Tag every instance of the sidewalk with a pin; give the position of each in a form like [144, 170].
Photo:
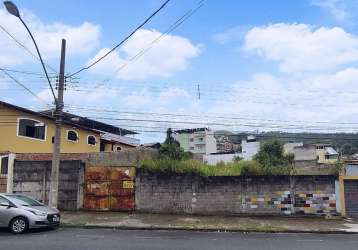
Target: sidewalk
[120, 220]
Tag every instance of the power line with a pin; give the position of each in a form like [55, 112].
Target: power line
[23, 86]
[233, 117]
[124, 40]
[171, 28]
[24, 47]
[23, 72]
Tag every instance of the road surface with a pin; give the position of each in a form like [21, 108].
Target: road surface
[103, 239]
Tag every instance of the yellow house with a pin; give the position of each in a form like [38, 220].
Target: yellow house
[112, 138]
[26, 131]
[326, 154]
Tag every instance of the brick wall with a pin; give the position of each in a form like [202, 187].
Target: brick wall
[168, 193]
[121, 158]
[3, 183]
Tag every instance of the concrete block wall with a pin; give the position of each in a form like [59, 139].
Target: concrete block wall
[266, 195]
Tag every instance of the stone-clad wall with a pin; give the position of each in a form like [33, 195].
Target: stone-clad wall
[173, 193]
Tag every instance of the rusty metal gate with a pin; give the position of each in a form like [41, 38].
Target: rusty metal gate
[109, 188]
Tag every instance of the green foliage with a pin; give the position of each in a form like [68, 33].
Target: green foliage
[272, 159]
[338, 167]
[237, 158]
[171, 149]
[166, 165]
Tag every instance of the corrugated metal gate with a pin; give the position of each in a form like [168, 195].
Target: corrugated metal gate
[351, 197]
[109, 188]
[33, 178]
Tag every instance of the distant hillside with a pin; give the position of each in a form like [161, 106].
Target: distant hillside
[346, 143]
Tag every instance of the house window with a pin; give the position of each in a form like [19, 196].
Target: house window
[4, 165]
[102, 147]
[72, 135]
[31, 128]
[91, 140]
[118, 148]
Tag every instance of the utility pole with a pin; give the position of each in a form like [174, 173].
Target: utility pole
[53, 199]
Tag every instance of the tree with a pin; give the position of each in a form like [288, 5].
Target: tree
[272, 158]
[171, 149]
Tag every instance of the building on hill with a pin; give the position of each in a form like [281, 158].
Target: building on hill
[197, 140]
[26, 131]
[321, 153]
[250, 147]
[302, 152]
[326, 153]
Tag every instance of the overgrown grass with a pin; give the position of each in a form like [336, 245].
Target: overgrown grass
[196, 167]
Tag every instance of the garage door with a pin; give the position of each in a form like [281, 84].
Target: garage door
[109, 188]
[351, 197]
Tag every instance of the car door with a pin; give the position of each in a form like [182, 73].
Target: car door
[5, 213]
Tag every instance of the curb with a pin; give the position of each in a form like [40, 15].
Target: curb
[160, 228]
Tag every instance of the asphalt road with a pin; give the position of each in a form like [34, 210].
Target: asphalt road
[103, 239]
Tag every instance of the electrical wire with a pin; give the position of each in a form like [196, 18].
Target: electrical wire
[24, 47]
[123, 41]
[232, 117]
[174, 26]
[23, 86]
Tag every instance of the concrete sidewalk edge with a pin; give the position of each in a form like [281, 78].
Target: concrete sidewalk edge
[199, 229]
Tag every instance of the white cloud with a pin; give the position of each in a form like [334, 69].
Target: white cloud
[90, 97]
[172, 93]
[303, 48]
[234, 34]
[163, 59]
[310, 98]
[145, 98]
[335, 7]
[81, 39]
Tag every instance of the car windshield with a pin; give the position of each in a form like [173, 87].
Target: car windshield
[23, 200]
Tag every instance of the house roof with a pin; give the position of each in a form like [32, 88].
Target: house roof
[152, 145]
[331, 151]
[120, 139]
[92, 124]
[42, 115]
[190, 130]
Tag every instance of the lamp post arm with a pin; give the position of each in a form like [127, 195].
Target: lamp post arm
[40, 57]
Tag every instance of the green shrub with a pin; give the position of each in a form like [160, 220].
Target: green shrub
[166, 165]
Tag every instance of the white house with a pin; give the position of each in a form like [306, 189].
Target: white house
[250, 147]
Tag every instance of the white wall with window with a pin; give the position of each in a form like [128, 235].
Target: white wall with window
[6, 171]
[31, 128]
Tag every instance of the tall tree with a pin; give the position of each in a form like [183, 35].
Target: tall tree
[171, 148]
[271, 156]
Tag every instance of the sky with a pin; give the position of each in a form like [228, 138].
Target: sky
[233, 65]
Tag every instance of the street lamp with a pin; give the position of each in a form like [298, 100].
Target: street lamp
[53, 199]
[13, 10]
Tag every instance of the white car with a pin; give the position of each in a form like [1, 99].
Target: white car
[19, 213]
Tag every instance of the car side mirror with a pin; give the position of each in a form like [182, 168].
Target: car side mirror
[6, 204]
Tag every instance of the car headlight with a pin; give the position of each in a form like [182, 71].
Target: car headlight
[39, 213]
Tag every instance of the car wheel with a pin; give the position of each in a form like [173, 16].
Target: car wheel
[19, 225]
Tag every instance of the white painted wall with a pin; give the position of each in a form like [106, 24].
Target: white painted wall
[217, 158]
[249, 149]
